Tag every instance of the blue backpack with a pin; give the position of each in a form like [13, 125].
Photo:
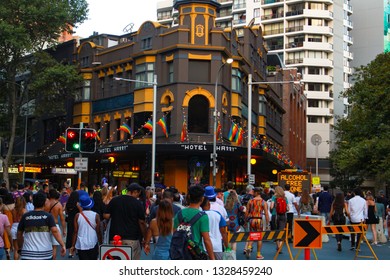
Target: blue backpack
[182, 245]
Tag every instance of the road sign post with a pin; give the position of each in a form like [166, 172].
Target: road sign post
[251, 179]
[307, 234]
[81, 164]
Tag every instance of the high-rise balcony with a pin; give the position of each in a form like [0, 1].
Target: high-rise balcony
[239, 6]
[273, 32]
[319, 62]
[318, 79]
[294, 13]
[323, 95]
[312, 13]
[294, 28]
[224, 1]
[348, 7]
[268, 2]
[348, 24]
[272, 16]
[348, 55]
[274, 47]
[314, 111]
[348, 39]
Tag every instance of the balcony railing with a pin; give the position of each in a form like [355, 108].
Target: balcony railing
[273, 31]
[294, 29]
[239, 21]
[274, 47]
[239, 6]
[294, 61]
[294, 45]
[266, 2]
[271, 16]
[294, 13]
[225, 14]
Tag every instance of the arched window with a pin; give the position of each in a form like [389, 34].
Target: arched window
[198, 114]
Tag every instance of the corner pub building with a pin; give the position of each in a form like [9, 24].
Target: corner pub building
[188, 60]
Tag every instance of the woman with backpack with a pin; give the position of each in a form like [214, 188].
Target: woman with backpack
[234, 211]
[306, 203]
[255, 209]
[279, 208]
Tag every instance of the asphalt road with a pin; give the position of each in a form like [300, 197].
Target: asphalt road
[327, 252]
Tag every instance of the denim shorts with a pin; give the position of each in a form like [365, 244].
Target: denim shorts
[2, 253]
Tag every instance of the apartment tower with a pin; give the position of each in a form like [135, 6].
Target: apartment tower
[312, 36]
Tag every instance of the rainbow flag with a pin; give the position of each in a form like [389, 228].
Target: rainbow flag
[97, 134]
[218, 132]
[239, 136]
[183, 135]
[62, 139]
[148, 125]
[233, 131]
[255, 142]
[161, 122]
[126, 128]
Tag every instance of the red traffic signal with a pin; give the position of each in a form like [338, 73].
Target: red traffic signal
[88, 140]
[72, 141]
[71, 134]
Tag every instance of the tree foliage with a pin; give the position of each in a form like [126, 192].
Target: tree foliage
[26, 28]
[57, 81]
[364, 136]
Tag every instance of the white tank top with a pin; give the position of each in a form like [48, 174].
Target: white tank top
[86, 235]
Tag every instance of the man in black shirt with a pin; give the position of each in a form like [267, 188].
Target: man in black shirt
[128, 219]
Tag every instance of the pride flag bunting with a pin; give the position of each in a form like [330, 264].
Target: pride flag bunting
[62, 139]
[183, 135]
[239, 136]
[148, 125]
[233, 131]
[218, 132]
[161, 122]
[126, 128]
[255, 142]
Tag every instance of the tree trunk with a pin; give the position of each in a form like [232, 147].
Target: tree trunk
[14, 107]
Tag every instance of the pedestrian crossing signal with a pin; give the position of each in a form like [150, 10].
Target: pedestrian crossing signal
[88, 140]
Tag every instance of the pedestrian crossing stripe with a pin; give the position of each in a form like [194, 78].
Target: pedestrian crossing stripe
[344, 229]
[258, 236]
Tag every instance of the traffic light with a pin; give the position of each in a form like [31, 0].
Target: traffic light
[88, 140]
[72, 141]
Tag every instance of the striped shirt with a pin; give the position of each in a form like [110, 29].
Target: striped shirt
[37, 243]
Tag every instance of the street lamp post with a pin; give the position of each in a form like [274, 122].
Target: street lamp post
[154, 83]
[250, 83]
[25, 137]
[214, 155]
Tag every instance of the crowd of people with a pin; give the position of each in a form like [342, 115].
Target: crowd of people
[45, 221]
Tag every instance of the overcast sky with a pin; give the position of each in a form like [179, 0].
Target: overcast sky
[113, 16]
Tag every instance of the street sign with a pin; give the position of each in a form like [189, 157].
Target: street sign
[297, 179]
[307, 234]
[251, 179]
[81, 164]
[111, 252]
[316, 180]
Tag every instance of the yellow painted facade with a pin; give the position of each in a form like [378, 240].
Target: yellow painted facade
[177, 175]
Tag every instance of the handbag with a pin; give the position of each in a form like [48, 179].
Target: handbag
[229, 255]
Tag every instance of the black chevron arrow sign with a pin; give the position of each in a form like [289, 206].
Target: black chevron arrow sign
[311, 233]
